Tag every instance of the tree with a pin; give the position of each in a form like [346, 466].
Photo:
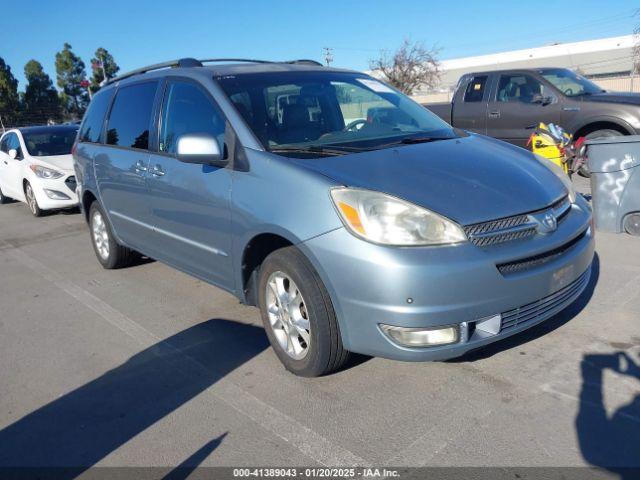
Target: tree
[40, 100]
[411, 66]
[9, 100]
[70, 74]
[102, 63]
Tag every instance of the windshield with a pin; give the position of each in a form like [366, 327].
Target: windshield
[50, 141]
[316, 113]
[570, 83]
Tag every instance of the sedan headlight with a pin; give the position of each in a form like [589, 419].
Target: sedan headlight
[564, 178]
[381, 218]
[44, 172]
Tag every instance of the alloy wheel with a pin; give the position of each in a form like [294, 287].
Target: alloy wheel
[100, 235]
[288, 315]
[31, 199]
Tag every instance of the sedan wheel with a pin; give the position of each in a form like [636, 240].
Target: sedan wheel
[32, 201]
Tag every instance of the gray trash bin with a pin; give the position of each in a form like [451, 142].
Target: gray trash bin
[615, 183]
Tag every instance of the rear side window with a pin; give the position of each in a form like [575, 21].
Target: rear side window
[94, 118]
[186, 110]
[130, 118]
[475, 89]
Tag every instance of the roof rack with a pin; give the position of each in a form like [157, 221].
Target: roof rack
[192, 62]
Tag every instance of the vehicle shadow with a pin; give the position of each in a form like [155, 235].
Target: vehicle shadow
[541, 329]
[82, 427]
[611, 442]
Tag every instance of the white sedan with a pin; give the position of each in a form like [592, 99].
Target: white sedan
[36, 167]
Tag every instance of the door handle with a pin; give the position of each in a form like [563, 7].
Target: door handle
[495, 114]
[140, 166]
[157, 171]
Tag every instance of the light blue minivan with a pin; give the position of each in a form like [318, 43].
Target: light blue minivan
[355, 219]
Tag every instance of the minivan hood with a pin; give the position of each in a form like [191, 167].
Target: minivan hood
[469, 179]
[614, 97]
[59, 162]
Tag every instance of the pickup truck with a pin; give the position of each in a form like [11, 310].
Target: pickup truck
[509, 104]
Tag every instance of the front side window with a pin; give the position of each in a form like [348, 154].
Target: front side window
[292, 111]
[4, 144]
[13, 143]
[570, 83]
[91, 129]
[518, 88]
[52, 141]
[188, 110]
[475, 89]
[130, 118]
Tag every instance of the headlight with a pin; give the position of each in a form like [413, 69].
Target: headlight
[564, 178]
[387, 220]
[44, 172]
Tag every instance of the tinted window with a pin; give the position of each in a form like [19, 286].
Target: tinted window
[94, 118]
[518, 88]
[475, 89]
[53, 141]
[13, 143]
[130, 117]
[187, 109]
[4, 144]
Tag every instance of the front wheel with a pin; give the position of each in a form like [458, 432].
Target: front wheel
[110, 254]
[32, 201]
[298, 315]
[584, 171]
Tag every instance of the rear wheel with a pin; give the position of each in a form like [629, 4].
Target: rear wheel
[110, 254]
[583, 171]
[298, 315]
[3, 198]
[32, 201]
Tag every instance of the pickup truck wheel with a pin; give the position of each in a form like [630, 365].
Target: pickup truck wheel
[298, 315]
[110, 254]
[583, 171]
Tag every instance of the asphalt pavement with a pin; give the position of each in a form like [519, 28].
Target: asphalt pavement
[146, 366]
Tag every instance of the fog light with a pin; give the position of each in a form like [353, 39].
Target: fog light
[56, 195]
[422, 337]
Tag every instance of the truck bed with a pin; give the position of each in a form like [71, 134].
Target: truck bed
[442, 109]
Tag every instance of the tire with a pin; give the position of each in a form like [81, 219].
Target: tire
[111, 255]
[322, 352]
[3, 199]
[583, 171]
[32, 201]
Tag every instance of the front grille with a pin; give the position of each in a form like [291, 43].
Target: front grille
[70, 182]
[540, 259]
[546, 306]
[513, 228]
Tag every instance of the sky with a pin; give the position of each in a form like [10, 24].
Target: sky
[143, 32]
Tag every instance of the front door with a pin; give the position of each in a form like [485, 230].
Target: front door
[520, 103]
[190, 202]
[121, 166]
[10, 168]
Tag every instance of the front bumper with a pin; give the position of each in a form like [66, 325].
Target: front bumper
[65, 185]
[456, 285]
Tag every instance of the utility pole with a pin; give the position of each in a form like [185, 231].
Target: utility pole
[328, 55]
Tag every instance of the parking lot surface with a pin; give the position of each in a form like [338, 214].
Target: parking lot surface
[146, 366]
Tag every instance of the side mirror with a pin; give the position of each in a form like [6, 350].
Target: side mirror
[200, 148]
[13, 154]
[539, 99]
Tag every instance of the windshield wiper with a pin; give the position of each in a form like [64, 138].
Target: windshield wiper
[311, 149]
[414, 140]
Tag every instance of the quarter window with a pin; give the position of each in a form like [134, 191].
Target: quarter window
[94, 119]
[187, 109]
[130, 119]
[475, 89]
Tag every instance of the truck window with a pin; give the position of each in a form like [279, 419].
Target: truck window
[475, 89]
[518, 88]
